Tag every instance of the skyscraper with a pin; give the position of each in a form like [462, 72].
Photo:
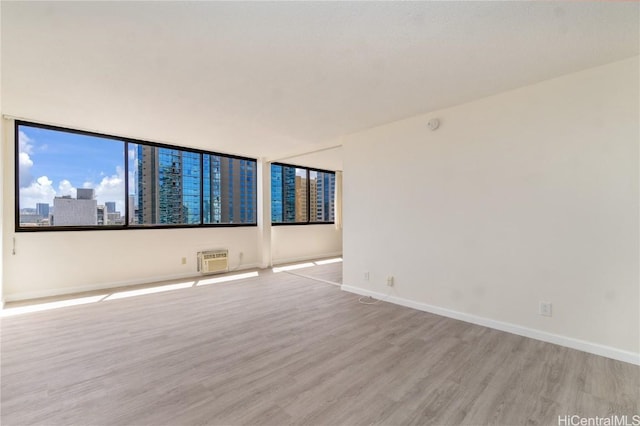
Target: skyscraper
[283, 194]
[147, 175]
[301, 199]
[238, 183]
[42, 210]
[276, 193]
[229, 189]
[325, 197]
[289, 194]
[168, 186]
[111, 206]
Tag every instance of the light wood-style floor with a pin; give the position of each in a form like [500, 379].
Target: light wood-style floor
[282, 349]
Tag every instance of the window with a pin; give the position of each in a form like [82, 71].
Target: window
[322, 194]
[67, 179]
[229, 186]
[167, 183]
[300, 195]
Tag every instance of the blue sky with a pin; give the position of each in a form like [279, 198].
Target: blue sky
[68, 161]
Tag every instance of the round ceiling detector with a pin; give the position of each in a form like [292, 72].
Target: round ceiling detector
[433, 124]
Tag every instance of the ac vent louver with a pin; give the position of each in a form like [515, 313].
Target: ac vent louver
[213, 261]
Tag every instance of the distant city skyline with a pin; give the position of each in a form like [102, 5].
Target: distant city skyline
[55, 163]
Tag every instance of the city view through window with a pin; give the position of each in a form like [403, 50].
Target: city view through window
[300, 195]
[69, 178]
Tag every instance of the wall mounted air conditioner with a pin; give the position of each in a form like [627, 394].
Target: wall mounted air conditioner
[213, 261]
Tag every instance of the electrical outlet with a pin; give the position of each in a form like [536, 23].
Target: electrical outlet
[184, 260]
[390, 281]
[545, 309]
[366, 276]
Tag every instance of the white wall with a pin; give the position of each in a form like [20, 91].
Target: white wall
[49, 263]
[291, 243]
[527, 196]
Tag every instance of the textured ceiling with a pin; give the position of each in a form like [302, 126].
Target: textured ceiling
[271, 79]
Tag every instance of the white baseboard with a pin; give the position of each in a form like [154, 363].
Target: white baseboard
[37, 294]
[581, 345]
[305, 258]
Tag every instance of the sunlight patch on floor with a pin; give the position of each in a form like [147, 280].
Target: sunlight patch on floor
[8, 312]
[227, 278]
[19, 310]
[150, 290]
[293, 267]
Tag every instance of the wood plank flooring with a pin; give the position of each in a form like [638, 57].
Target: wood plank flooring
[282, 349]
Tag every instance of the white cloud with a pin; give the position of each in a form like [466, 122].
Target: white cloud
[39, 191]
[65, 188]
[25, 143]
[25, 163]
[111, 188]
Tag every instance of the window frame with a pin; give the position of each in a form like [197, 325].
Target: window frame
[308, 177]
[127, 226]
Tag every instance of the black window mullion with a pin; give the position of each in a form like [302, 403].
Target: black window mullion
[126, 184]
[201, 188]
[309, 196]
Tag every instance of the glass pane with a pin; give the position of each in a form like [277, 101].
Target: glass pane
[69, 179]
[167, 183]
[276, 194]
[322, 201]
[288, 194]
[230, 186]
[302, 211]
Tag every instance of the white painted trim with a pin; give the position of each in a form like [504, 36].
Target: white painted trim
[304, 258]
[28, 295]
[581, 345]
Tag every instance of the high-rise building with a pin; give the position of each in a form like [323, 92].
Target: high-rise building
[229, 190]
[147, 175]
[132, 208]
[42, 210]
[85, 194]
[283, 193]
[169, 185]
[75, 212]
[313, 197]
[289, 194]
[325, 197]
[102, 218]
[276, 193]
[111, 206]
[237, 190]
[301, 199]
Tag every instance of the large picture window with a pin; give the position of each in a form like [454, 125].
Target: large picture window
[68, 179]
[300, 195]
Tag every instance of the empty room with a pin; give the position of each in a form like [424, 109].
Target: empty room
[320, 213]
